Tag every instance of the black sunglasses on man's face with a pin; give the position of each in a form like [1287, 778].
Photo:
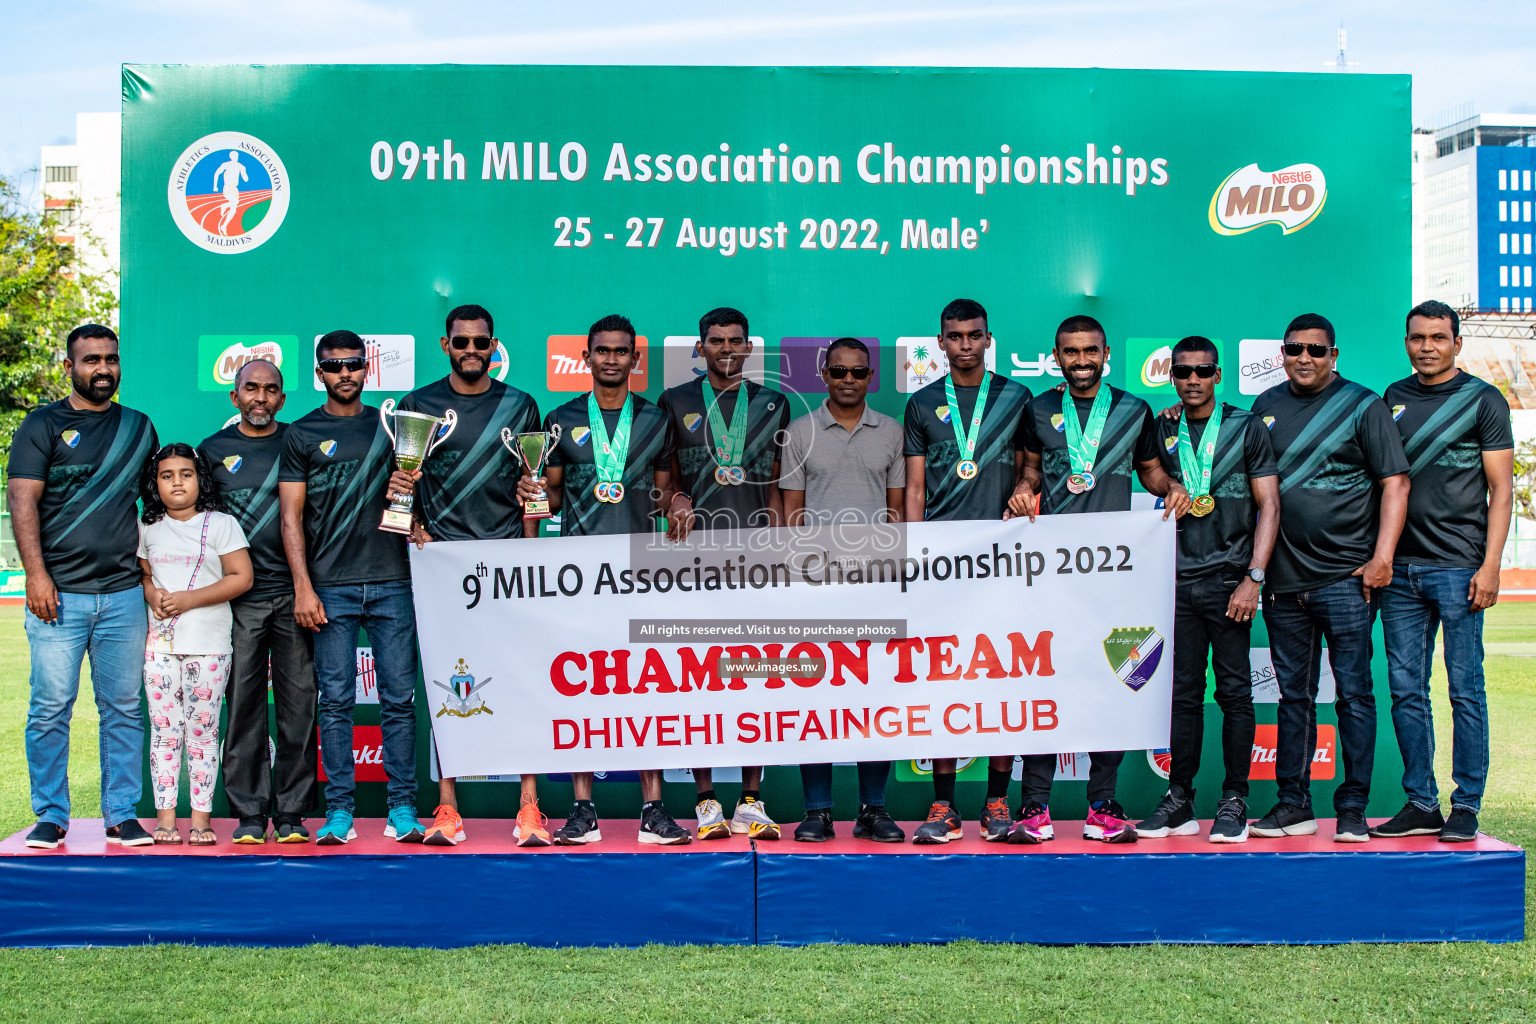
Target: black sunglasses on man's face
[353, 363]
[1294, 348]
[461, 342]
[1182, 371]
[839, 372]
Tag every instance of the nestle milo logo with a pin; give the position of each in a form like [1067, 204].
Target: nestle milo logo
[1290, 197]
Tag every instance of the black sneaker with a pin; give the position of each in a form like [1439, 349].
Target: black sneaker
[129, 833]
[816, 828]
[45, 835]
[1350, 827]
[658, 829]
[579, 828]
[996, 820]
[1231, 824]
[250, 830]
[1175, 816]
[1410, 821]
[943, 824]
[874, 823]
[1285, 820]
[1460, 827]
[290, 829]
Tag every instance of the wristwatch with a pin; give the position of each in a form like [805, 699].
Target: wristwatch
[1257, 575]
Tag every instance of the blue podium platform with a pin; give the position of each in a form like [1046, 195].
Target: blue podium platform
[619, 893]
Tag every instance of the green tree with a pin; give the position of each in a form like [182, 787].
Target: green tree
[44, 293]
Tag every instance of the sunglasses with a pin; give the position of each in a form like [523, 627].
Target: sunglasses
[460, 343]
[1183, 371]
[354, 364]
[1294, 348]
[839, 372]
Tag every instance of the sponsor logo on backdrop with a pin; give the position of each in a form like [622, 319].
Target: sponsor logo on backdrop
[367, 754]
[923, 361]
[1043, 365]
[1266, 689]
[1249, 198]
[462, 693]
[566, 370]
[801, 361]
[1260, 365]
[367, 678]
[500, 363]
[1134, 653]
[221, 356]
[391, 362]
[1148, 363]
[1264, 752]
[228, 192]
[232, 420]
[681, 362]
[1160, 761]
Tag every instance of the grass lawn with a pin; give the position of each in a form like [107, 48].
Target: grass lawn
[1164, 984]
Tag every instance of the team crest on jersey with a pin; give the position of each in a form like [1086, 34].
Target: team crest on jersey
[1170, 443]
[1058, 422]
[942, 412]
[580, 435]
[327, 448]
[1397, 412]
[691, 421]
[1269, 423]
[232, 463]
[70, 437]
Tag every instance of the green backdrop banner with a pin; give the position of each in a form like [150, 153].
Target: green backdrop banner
[264, 206]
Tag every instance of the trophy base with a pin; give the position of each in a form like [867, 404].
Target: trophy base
[537, 509]
[396, 521]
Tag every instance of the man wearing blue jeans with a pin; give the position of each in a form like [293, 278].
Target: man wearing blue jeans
[1343, 496]
[1456, 434]
[74, 480]
[333, 487]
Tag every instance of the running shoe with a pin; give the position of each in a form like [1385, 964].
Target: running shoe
[751, 820]
[816, 828]
[1175, 816]
[1231, 824]
[1410, 821]
[658, 829]
[1034, 826]
[1350, 827]
[943, 824]
[290, 829]
[580, 828]
[1109, 824]
[712, 824]
[1285, 820]
[874, 823]
[447, 828]
[251, 830]
[337, 829]
[532, 828]
[403, 827]
[996, 820]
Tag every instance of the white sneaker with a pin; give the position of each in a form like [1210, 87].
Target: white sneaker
[751, 819]
[712, 821]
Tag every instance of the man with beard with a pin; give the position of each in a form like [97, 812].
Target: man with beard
[467, 490]
[74, 487]
[1084, 439]
[349, 574]
[246, 457]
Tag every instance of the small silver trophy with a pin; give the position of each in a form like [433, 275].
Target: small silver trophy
[532, 450]
[415, 435]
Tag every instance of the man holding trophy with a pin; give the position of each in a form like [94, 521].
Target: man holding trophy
[334, 483]
[467, 490]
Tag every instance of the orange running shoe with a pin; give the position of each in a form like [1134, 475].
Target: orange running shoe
[447, 828]
[532, 827]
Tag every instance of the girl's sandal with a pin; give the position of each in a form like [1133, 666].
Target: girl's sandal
[202, 837]
[167, 836]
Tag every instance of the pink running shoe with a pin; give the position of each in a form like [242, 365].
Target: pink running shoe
[1109, 824]
[1034, 826]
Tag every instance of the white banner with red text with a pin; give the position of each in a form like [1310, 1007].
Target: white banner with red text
[786, 646]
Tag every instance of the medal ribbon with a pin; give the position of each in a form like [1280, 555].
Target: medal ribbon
[609, 453]
[730, 444]
[966, 441]
[1195, 466]
[1083, 441]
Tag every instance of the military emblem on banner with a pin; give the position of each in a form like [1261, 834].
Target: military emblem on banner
[1134, 653]
[462, 697]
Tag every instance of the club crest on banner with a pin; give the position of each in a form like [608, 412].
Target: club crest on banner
[1134, 653]
[462, 697]
[228, 192]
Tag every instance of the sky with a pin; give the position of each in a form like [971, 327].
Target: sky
[65, 56]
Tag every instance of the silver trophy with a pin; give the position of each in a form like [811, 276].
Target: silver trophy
[532, 450]
[415, 435]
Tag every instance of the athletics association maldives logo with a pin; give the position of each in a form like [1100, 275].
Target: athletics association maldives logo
[1134, 653]
[228, 192]
[1291, 197]
[462, 697]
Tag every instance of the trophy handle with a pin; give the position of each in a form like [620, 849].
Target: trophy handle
[554, 433]
[451, 418]
[507, 440]
[387, 410]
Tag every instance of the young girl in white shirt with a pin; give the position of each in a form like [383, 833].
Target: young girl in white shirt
[195, 560]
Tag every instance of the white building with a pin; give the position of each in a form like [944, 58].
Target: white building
[82, 184]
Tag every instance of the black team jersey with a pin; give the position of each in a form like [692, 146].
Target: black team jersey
[1332, 449]
[246, 469]
[1445, 430]
[89, 463]
[1129, 437]
[346, 462]
[468, 486]
[929, 433]
[650, 449]
[723, 506]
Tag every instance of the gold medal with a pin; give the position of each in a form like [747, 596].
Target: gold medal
[1202, 506]
[966, 470]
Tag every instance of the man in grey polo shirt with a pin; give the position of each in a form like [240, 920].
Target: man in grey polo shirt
[844, 460]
